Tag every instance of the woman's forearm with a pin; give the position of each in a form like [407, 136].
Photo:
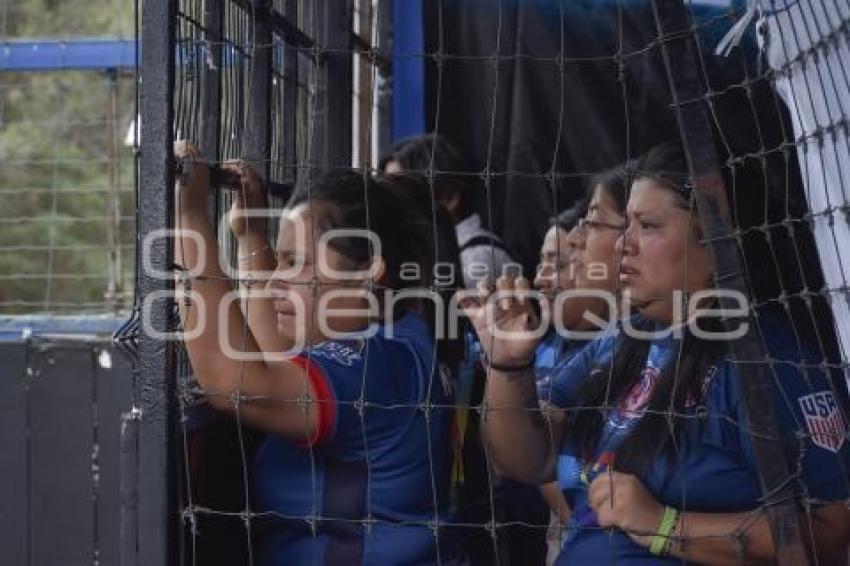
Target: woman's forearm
[216, 346]
[733, 538]
[554, 497]
[514, 427]
[196, 252]
[722, 538]
[256, 263]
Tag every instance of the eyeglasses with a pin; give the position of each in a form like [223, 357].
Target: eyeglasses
[585, 224]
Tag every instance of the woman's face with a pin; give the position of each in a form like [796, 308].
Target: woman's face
[597, 264]
[555, 273]
[303, 280]
[661, 251]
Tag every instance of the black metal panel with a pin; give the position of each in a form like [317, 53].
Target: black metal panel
[60, 408]
[258, 134]
[155, 521]
[332, 127]
[210, 130]
[61, 441]
[289, 103]
[113, 390]
[14, 428]
[281, 23]
[211, 81]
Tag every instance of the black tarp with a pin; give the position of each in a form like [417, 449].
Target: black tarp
[536, 91]
[542, 94]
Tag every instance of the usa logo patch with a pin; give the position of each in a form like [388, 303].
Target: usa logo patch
[824, 420]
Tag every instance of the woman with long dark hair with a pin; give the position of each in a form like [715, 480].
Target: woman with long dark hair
[653, 450]
[588, 233]
[578, 256]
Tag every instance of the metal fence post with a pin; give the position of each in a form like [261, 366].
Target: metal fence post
[156, 519]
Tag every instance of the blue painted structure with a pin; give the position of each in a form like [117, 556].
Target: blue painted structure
[89, 54]
[19, 328]
[408, 69]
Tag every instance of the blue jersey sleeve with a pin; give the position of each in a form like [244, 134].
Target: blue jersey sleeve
[337, 371]
[374, 387]
[561, 390]
[812, 430]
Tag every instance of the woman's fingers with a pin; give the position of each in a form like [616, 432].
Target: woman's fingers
[505, 288]
[250, 182]
[467, 301]
[513, 293]
[471, 302]
[193, 178]
[184, 148]
[508, 298]
[523, 286]
[599, 491]
[482, 287]
[250, 175]
[483, 291]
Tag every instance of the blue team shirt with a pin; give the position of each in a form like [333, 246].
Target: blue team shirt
[391, 465]
[552, 352]
[718, 473]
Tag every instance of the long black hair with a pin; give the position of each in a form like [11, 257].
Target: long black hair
[451, 350]
[390, 207]
[679, 383]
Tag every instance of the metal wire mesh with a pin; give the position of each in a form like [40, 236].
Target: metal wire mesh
[804, 78]
[67, 238]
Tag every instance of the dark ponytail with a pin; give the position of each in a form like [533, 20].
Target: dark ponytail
[658, 432]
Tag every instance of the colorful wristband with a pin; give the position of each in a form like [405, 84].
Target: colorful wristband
[665, 529]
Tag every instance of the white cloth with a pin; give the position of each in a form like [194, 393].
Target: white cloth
[479, 261]
[816, 87]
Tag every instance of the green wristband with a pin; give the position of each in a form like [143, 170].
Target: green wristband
[665, 529]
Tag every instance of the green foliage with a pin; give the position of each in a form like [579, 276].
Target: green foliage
[68, 18]
[62, 161]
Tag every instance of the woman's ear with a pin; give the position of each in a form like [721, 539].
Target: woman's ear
[378, 270]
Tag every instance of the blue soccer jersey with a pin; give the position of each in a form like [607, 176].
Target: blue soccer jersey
[718, 471]
[552, 352]
[375, 476]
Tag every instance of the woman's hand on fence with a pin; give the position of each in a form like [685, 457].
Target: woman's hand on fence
[622, 501]
[504, 320]
[249, 196]
[192, 185]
